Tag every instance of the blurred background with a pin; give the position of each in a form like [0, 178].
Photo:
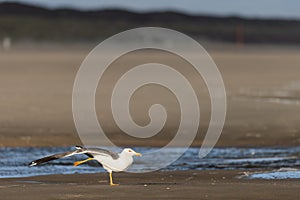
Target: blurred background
[255, 44]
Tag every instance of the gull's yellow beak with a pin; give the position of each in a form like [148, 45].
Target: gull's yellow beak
[138, 154]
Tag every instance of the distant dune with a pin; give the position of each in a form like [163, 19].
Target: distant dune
[30, 23]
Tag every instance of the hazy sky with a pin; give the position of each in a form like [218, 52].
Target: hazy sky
[248, 8]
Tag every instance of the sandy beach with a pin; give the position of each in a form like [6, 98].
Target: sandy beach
[263, 110]
[155, 185]
[262, 88]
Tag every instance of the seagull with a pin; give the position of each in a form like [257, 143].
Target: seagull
[111, 161]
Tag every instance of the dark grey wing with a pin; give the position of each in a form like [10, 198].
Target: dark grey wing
[103, 152]
[79, 150]
[90, 152]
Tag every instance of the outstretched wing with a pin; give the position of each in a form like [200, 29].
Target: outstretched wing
[79, 150]
[56, 156]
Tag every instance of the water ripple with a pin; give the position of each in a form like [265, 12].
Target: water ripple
[14, 161]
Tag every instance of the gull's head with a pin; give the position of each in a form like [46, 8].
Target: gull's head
[131, 152]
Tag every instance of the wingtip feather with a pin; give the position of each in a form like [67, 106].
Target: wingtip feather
[32, 164]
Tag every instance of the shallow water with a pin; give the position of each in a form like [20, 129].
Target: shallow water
[282, 173]
[270, 161]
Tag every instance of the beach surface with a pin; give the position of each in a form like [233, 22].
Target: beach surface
[262, 86]
[155, 185]
[263, 106]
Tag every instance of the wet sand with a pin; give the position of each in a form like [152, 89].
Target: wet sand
[155, 185]
[263, 110]
[262, 96]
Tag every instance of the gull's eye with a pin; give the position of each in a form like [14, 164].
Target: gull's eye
[129, 151]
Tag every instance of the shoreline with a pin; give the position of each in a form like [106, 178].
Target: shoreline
[36, 102]
[190, 184]
[67, 141]
[262, 111]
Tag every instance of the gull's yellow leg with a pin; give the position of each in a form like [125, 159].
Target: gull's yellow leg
[111, 180]
[83, 161]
